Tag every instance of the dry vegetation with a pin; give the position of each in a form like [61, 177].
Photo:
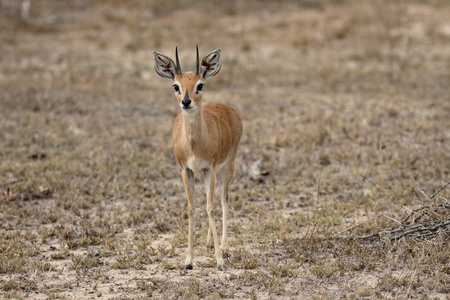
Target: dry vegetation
[346, 109]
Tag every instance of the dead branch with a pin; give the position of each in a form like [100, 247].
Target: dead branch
[440, 189]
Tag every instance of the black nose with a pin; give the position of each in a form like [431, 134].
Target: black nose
[186, 102]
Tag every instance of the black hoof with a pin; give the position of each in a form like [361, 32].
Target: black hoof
[188, 267]
[222, 268]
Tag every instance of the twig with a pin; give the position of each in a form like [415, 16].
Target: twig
[365, 178]
[89, 177]
[421, 223]
[384, 193]
[374, 234]
[383, 147]
[356, 225]
[392, 219]
[420, 229]
[415, 229]
[440, 189]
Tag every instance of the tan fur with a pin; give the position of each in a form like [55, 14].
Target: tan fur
[212, 139]
[205, 142]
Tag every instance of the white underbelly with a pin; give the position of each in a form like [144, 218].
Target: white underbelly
[198, 165]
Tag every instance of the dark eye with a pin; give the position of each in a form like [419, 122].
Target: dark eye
[199, 87]
[176, 88]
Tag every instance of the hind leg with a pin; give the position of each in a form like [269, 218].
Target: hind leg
[209, 239]
[224, 202]
[226, 175]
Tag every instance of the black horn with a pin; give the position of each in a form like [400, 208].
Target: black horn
[178, 61]
[197, 63]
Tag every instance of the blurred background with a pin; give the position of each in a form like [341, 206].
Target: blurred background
[315, 81]
[321, 86]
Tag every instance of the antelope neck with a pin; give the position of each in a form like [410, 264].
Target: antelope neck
[194, 125]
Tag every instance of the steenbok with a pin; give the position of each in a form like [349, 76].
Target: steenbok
[206, 137]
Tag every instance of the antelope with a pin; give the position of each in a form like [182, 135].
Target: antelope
[206, 137]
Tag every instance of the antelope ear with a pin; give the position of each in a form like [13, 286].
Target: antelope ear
[210, 64]
[164, 66]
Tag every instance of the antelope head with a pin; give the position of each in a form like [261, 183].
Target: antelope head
[188, 86]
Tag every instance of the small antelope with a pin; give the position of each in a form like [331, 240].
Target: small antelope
[206, 137]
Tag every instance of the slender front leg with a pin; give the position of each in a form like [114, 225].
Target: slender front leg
[226, 175]
[210, 178]
[188, 180]
[209, 240]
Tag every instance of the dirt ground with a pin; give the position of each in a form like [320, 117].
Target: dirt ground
[340, 185]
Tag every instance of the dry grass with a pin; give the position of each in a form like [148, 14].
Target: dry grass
[91, 198]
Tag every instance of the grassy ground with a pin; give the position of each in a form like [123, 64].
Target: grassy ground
[345, 104]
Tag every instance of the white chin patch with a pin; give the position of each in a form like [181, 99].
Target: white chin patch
[189, 113]
[187, 109]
